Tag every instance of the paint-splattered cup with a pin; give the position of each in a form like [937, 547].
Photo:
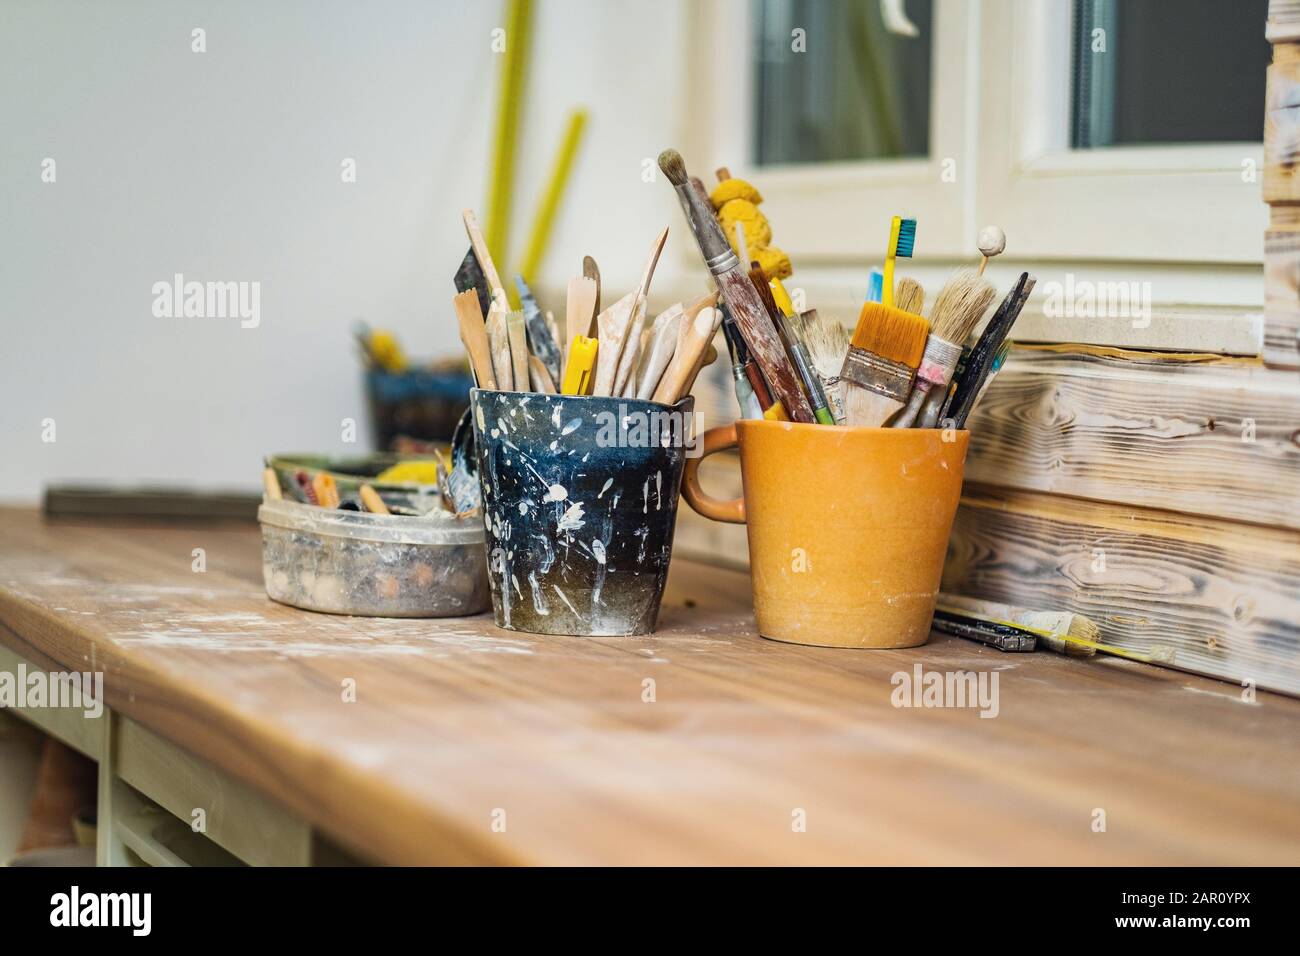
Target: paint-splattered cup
[579, 503]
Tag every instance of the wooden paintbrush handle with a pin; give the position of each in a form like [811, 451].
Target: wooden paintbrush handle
[764, 345]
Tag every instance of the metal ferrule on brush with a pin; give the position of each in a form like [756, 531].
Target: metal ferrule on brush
[870, 371]
[717, 251]
[937, 363]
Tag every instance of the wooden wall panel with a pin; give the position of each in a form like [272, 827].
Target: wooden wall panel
[1208, 596]
[1213, 439]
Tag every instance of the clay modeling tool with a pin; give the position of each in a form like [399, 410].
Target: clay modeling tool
[1060, 631]
[959, 306]
[470, 276]
[642, 348]
[992, 241]
[659, 350]
[690, 347]
[271, 485]
[612, 326]
[370, 498]
[592, 271]
[828, 343]
[479, 247]
[627, 361]
[902, 239]
[499, 342]
[738, 292]
[708, 355]
[579, 309]
[517, 333]
[580, 371]
[554, 328]
[540, 341]
[985, 350]
[555, 185]
[878, 370]
[473, 333]
[327, 490]
[539, 377]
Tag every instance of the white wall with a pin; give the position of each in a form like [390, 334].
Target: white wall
[225, 165]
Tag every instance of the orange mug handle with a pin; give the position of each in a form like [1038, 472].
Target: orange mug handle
[732, 512]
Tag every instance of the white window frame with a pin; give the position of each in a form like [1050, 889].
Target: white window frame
[1008, 132]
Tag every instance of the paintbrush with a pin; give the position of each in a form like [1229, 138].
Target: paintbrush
[473, 333]
[985, 351]
[612, 326]
[578, 310]
[517, 333]
[738, 292]
[499, 342]
[745, 397]
[960, 305]
[1003, 636]
[878, 370]
[659, 349]
[828, 343]
[803, 363]
[631, 353]
[910, 296]
[1060, 631]
[540, 341]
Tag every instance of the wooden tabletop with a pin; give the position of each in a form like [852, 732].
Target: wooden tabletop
[744, 740]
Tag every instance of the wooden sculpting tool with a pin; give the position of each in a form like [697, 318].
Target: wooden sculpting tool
[659, 351]
[271, 485]
[499, 342]
[518, 336]
[627, 361]
[613, 325]
[578, 310]
[374, 504]
[473, 333]
[539, 377]
[480, 249]
[592, 272]
[579, 371]
[691, 343]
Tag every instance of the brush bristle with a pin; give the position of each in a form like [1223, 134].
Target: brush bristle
[906, 238]
[910, 295]
[674, 167]
[961, 303]
[827, 342]
[891, 333]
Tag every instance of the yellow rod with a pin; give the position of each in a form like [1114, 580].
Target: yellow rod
[509, 96]
[545, 217]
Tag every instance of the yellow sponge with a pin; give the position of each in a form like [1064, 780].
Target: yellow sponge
[758, 231]
[775, 263]
[730, 189]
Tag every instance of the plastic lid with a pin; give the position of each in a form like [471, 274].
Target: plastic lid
[439, 528]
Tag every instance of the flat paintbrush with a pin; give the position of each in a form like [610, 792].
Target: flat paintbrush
[961, 303]
[985, 351]
[738, 292]
[878, 370]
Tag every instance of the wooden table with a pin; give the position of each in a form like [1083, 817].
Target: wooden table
[700, 744]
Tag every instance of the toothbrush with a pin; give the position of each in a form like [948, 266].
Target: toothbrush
[902, 237]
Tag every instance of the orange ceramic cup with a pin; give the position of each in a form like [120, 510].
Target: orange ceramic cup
[848, 527]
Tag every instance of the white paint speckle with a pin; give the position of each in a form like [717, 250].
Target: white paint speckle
[556, 493]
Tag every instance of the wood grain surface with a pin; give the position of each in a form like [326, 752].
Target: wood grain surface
[1211, 596]
[1206, 439]
[456, 721]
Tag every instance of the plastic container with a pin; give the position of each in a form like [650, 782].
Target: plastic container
[353, 562]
